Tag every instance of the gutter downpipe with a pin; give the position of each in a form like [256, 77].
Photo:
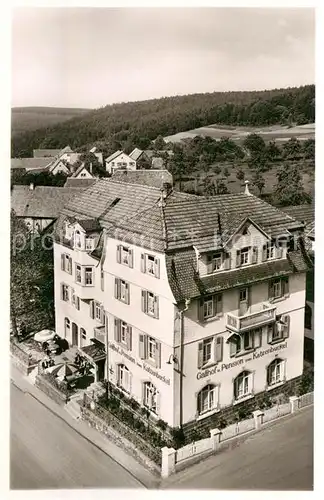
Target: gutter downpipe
[187, 303]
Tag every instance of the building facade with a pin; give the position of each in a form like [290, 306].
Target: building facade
[197, 303]
[119, 160]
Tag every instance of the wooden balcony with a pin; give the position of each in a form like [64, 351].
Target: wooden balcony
[256, 317]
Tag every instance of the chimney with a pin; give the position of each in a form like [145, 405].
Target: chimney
[246, 191]
[166, 189]
[31, 186]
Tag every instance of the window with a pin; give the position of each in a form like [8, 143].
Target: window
[122, 290]
[65, 292]
[66, 263]
[207, 399]
[150, 265]
[67, 325]
[243, 385]
[124, 255]
[124, 378]
[97, 311]
[214, 262]
[131, 163]
[150, 304]
[279, 288]
[83, 334]
[150, 350]
[77, 239]
[245, 342]
[150, 397]
[275, 372]
[123, 333]
[271, 251]
[210, 351]
[280, 330]
[75, 299]
[78, 273]
[89, 244]
[88, 276]
[211, 306]
[244, 256]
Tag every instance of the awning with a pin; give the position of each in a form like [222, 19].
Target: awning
[95, 351]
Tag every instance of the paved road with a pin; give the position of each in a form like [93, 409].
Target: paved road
[46, 453]
[278, 458]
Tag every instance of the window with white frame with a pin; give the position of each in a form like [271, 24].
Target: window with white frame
[89, 244]
[125, 255]
[88, 276]
[150, 304]
[244, 256]
[150, 265]
[214, 262]
[270, 250]
[97, 311]
[123, 333]
[243, 385]
[124, 378]
[65, 292]
[83, 334]
[150, 350]
[275, 372]
[122, 290]
[66, 263]
[207, 399]
[75, 299]
[150, 396]
[279, 331]
[78, 273]
[279, 288]
[211, 306]
[84, 275]
[245, 342]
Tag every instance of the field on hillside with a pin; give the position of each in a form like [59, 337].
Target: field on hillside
[31, 118]
[278, 133]
[270, 177]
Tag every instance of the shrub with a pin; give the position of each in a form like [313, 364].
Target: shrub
[222, 424]
[162, 424]
[134, 404]
[196, 435]
[306, 383]
[178, 437]
[263, 402]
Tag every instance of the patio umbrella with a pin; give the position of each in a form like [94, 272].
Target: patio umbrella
[64, 370]
[44, 335]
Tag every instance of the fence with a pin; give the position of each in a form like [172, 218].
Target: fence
[172, 459]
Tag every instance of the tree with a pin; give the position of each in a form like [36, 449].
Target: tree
[292, 148]
[217, 169]
[254, 143]
[159, 143]
[226, 172]
[289, 189]
[91, 162]
[308, 149]
[258, 162]
[240, 175]
[272, 151]
[258, 181]
[221, 187]
[209, 188]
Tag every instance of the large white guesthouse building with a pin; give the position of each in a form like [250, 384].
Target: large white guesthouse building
[188, 304]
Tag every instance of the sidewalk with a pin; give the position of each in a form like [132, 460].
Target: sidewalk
[97, 439]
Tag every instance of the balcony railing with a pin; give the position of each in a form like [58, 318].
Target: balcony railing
[264, 315]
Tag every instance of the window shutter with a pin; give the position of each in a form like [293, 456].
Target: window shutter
[70, 265]
[270, 333]
[129, 338]
[102, 315]
[118, 254]
[157, 267]
[200, 355]
[219, 349]
[127, 294]
[131, 258]
[269, 374]
[227, 261]
[271, 290]
[143, 263]
[62, 291]
[201, 309]
[102, 279]
[142, 353]
[130, 379]
[257, 338]
[106, 323]
[156, 306]
[62, 261]
[77, 303]
[158, 354]
[279, 252]
[285, 285]
[264, 253]
[158, 402]
[255, 255]
[286, 319]
[233, 347]
[248, 296]
[117, 330]
[219, 303]
[92, 309]
[144, 301]
[238, 258]
[209, 268]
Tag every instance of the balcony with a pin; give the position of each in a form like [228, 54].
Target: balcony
[257, 316]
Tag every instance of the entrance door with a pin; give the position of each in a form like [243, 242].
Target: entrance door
[244, 301]
[75, 335]
[101, 369]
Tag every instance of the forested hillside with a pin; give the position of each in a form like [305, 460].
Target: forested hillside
[31, 118]
[137, 123]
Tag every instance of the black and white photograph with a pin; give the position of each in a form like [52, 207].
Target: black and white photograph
[162, 248]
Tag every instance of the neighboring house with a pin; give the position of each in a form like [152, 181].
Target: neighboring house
[31, 164]
[119, 160]
[43, 153]
[75, 182]
[39, 206]
[139, 154]
[154, 158]
[306, 214]
[83, 173]
[187, 304]
[154, 178]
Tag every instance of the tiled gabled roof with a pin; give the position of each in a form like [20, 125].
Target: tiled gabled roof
[135, 154]
[41, 153]
[82, 183]
[154, 178]
[31, 163]
[113, 156]
[304, 213]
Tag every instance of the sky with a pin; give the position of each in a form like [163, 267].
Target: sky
[91, 57]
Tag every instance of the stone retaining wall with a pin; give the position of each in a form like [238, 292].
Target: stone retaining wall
[51, 391]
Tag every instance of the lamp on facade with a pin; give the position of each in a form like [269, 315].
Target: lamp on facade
[172, 359]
